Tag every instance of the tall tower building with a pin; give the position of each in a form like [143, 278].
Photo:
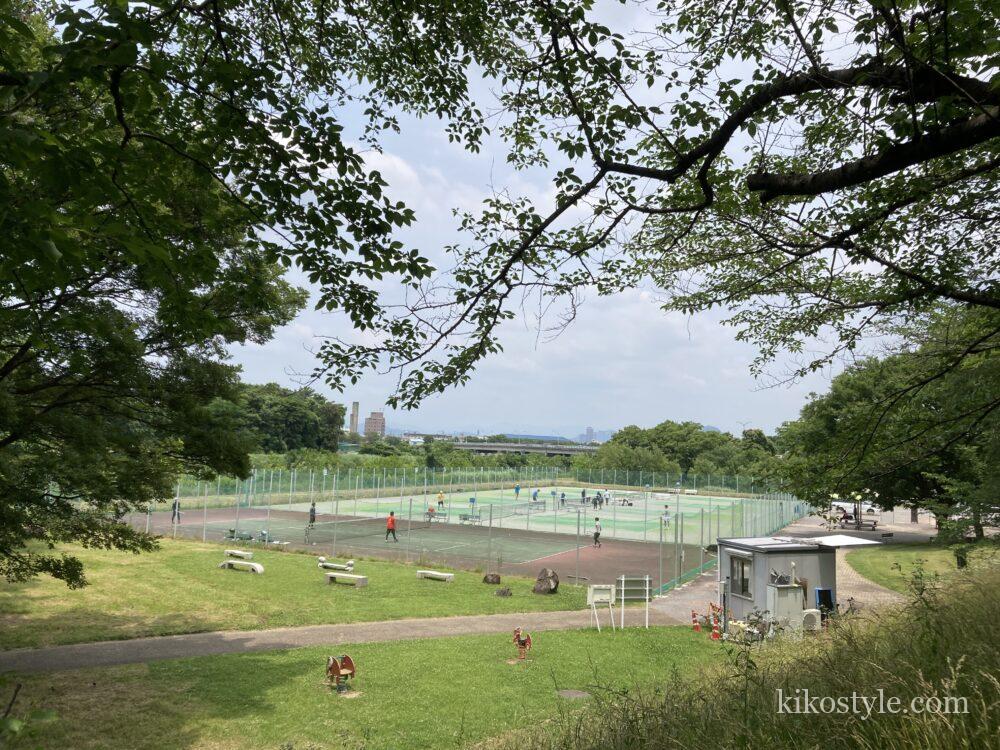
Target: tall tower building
[354, 417]
[375, 424]
[590, 434]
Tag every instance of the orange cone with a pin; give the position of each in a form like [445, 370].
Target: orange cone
[716, 633]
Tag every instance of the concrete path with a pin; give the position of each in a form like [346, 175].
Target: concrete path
[107, 653]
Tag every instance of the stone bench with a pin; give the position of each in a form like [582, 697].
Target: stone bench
[347, 578]
[436, 575]
[240, 554]
[344, 567]
[249, 567]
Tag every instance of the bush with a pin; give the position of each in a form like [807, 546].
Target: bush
[943, 644]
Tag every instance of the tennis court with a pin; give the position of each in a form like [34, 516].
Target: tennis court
[637, 516]
[484, 520]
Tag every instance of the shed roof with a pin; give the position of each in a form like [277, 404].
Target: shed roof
[795, 544]
[772, 544]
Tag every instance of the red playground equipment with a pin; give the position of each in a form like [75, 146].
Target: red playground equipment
[523, 644]
[338, 673]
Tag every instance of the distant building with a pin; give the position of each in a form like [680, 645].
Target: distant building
[354, 417]
[375, 424]
[589, 435]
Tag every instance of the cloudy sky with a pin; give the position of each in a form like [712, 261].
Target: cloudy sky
[623, 361]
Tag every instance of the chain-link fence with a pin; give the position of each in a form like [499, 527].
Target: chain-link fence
[476, 518]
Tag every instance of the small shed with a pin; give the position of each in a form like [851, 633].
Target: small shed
[780, 575]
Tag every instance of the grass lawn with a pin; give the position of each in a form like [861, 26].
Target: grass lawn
[878, 564]
[179, 589]
[435, 693]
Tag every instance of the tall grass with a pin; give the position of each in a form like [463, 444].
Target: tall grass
[944, 643]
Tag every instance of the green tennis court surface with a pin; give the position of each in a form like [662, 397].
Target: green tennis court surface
[636, 516]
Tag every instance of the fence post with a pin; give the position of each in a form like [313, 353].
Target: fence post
[677, 550]
[578, 546]
[701, 539]
[489, 544]
[659, 549]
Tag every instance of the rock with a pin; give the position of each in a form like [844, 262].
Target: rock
[505, 591]
[491, 578]
[547, 582]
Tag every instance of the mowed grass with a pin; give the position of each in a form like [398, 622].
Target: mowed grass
[893, 565]
[435, 693]
[180, 589]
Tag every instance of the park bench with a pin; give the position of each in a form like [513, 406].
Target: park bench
[886, 535]
[345, 567]
[238, 553]
[436, 575]
[238, 536]
[690, 492]
[436, 515]
[347, 578]
[470, 518]
[847, 521]
[249, 567]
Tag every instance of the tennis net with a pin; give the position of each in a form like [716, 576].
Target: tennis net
[354, 528]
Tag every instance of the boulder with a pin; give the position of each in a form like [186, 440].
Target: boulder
[547, 582]
[492, 578]
[505, 591]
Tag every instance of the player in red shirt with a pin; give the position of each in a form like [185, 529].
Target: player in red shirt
[390, 526]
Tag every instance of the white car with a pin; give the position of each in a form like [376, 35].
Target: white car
[848, 507]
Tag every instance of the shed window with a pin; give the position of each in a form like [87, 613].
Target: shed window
[740, 573]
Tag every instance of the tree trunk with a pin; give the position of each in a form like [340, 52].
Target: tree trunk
[914, 517]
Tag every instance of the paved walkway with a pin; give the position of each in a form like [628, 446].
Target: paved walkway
[107, 653]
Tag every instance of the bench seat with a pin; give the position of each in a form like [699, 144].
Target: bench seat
[436, 575]
[346, 567]
[249, 567]
[239, 553]
[347, 578]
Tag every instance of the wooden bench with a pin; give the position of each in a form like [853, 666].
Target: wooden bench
[249, 567]
[690, 492]
[436, 515]
[345, 567]
[347, 578]
[470, 518]
[436, 575]
[238, 553]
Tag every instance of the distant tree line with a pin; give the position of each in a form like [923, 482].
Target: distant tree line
[686, 448]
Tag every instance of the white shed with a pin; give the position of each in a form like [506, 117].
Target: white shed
[780, 575]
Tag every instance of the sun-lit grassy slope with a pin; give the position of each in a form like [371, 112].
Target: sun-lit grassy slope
[893, 565]
[436, 693]
[179, 589]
